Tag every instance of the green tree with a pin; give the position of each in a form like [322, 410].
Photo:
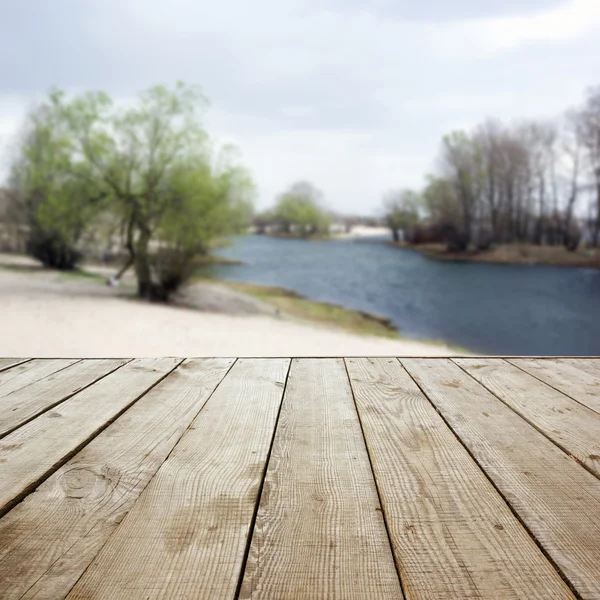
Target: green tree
[56, 207]
[153, 165]
[300, 210]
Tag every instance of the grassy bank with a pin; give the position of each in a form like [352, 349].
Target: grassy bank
[297, 306]
[526, 254]
[207, 260]
[291, 304]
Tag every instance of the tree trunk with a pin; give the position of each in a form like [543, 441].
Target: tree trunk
[130, 248]
[142, 267]
[540, 231]
[568, 241]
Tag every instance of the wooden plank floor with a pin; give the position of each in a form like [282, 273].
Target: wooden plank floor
[333, 478]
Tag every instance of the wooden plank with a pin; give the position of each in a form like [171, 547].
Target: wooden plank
[569, 424]
[589, 365]
[570, 380]
[444, 517]
[7, 363]
[187, 534]
[28, 373]
[32, 452]
[557, 499]
[319, 530]
[26, 403]
[70, 516]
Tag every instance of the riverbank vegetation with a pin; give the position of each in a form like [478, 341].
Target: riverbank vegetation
[527, 254]
[533, 183]
[294, 305]
[142, 177]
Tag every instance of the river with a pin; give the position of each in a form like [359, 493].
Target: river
[485, 308]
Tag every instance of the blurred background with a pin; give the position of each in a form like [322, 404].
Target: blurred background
[342, 177]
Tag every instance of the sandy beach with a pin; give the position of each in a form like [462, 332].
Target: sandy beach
[49, 314]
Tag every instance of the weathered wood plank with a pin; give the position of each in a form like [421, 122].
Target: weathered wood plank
[26, 374]
[581, 385]
[26, 403]
[70, 516]
[7, 363]
[557, 499]
[319, 530]
[453, 535]
[186, 535]
[589, 365]
[29, 454]
[574, 427]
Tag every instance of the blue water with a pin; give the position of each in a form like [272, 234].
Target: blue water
[495, 309]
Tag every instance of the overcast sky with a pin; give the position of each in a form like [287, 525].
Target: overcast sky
[353, 95]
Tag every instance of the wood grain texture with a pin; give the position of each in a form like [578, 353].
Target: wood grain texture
[187, 534]
[319, 531]
[24, 404]
[572, 426]
[21, 376]
[444, 516]
[66, 521]
[589, 365]
[7, 363]
[32, 452]
[557, 499]
[575, 382]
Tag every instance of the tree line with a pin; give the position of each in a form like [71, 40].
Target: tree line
[532, 182]
[146, 173]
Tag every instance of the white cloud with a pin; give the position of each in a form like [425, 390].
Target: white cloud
[352, 167]
[298, 111]
[344, 93]
[482, 38]
[12, 112]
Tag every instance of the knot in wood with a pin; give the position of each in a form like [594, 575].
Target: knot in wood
[80, 482]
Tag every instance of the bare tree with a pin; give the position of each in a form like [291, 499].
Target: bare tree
[572, 143]
[401, 210]
[462, 161]
[590, 132]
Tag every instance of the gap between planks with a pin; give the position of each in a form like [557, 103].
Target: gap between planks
[386, 520]
[319, 531]
[8, 363]
[66, 521]
[186, 535]
[571, 426]
[576, 383]
[21, 376]
[444, 515]
[536, 478]
[261, 489]
[33, 452]
[26, 403]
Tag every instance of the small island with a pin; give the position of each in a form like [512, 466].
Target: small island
[298, 213]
